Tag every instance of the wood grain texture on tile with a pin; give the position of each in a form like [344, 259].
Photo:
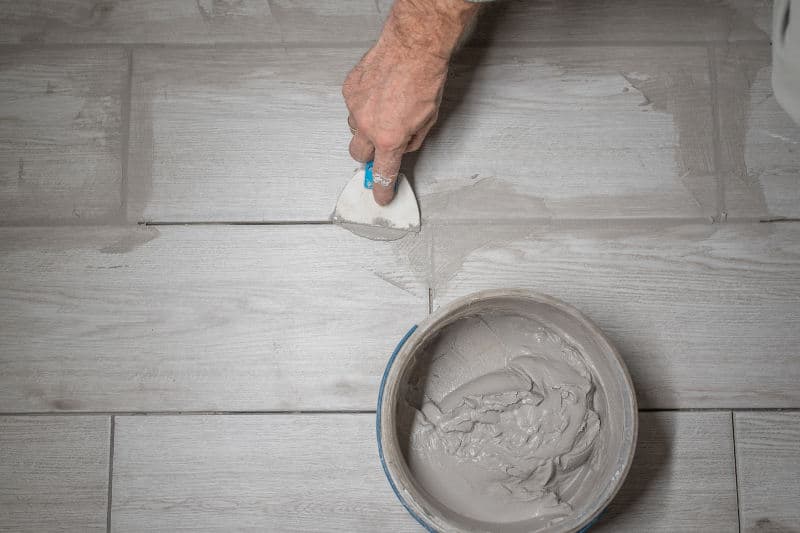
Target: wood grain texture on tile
[322, 21]
[222, 135]
[188, 21]
[631, 21]
[252, 472]
[291, 21]
[226, 472]
[60, 134]
[704, 315]
[768, 465]
[574, 132]
[760, 143]
[54, 473]
[223, 318]
[682, 478]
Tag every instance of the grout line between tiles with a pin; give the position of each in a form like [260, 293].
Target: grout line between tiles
[276, 45]
[719, 409]
[193, 413]
[110, 474]
[361, 412]
[655, 43]
[716, 155]
[240, 223]
[565, 223]
[125, 102]
[779, 219]
[550, 221]
[272, 14]
[736, 472]
[432, 277]
[244, 46]
[475, 221]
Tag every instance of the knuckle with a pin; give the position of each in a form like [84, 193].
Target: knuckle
[347, 94]
[357, 154]
[388, 141]
[359, 150]
[347, 88]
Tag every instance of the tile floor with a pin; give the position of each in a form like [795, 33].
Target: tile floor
[186, 343]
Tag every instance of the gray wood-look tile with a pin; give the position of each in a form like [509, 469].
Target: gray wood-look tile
[599, 132]
[222, 135]
[682, 478]
[631, 21]
[244, 135]
[760, 143]
[188, 21]
[704, 315]
[199, 318]
[323, 21]
[768, 466]
[289, 21]
[54, 473]
[252, 472]
[223, 472]
[60, 130]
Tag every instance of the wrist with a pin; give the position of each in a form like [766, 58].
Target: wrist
[428, 27]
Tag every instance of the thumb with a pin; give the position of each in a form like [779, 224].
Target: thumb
[384, 173]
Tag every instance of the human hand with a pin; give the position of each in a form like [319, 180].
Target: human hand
[393, 93]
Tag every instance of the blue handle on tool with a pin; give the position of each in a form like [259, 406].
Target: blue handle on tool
[368, 175]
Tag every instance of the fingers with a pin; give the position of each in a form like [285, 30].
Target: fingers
[416, 141]
[384, 173]
[361, 149]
